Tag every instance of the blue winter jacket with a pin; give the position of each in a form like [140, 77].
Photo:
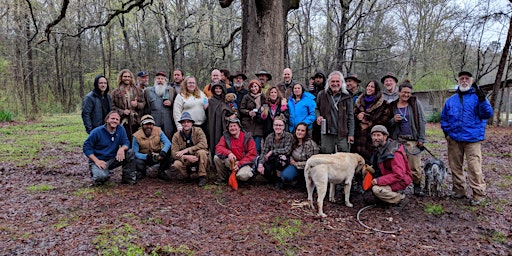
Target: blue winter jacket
[464, 118]
[302, 111]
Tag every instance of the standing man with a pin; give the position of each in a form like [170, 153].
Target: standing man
[159, 103]
[190, 150]
[407, 126]
[389, 81]
[215, 76]
[264, 76]
[225, 75]
[336, 107]
[178, 77]
[151, 147]
[97, 104]
[142, 80]
[392, 172]
[318, 84]
[287, 84]
[107, 147]
[128, 101]
[463, 120]
[353, 87]
[238, 87]
[238, 146]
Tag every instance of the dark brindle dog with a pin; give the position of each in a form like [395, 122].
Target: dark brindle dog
[435, 173]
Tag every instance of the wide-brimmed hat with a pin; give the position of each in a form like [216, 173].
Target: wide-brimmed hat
[467, 73]
[353, 77]
[147, 119]
[186, 117]
[264, 72]
[389, 75]
[161, 73]
[380, 128]
[142, 73]
[238, 73]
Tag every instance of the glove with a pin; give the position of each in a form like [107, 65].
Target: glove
[150, 160]
[479, 92]
[162, 154]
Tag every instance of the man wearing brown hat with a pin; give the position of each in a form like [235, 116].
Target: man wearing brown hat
[264, 76]
[151, 147]
[237, 146]
[392, 172]
[238, 86]
[159, 103]
[353, 87]
[190, 151]
[391, 91]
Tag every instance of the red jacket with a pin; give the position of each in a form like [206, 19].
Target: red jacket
[394, 166]
[244, 148]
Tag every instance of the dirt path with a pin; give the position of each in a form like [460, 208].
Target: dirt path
[171, 218]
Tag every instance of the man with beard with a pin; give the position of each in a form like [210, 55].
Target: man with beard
[142, 80]
[285, 87]
[335, 106]
[392, 172]
[237, 146]
[264, 77]
[238, 86]
[353, 86]
[159, 103]
[151, 147]
[318, 84]
[463, 120]
[190, 151]
[391, 91]
[178, 77]
[107, 147]
[128, 101]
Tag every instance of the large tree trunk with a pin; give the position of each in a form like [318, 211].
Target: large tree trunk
[263, 34]
[499, 74]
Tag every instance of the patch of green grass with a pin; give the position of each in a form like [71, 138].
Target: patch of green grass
[158, 193]
[6, 116]
[88, 193]
[438, 133]
[283, 230]
[498, 237]
[61, 224]
[129, 215]
[152, 221]
[40, 187]
[434, 209]
[119, 241]
[23, 143]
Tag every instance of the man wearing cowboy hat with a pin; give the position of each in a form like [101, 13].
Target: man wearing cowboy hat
[353, 87]
[389, 81]
[190, 151]
[151, 147]
[238, 86]
[264, 76]
[238, 146]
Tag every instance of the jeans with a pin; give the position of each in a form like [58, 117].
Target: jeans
[289, 173]
[257, 139]
[102, 175]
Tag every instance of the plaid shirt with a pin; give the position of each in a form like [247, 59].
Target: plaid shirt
[283, 147]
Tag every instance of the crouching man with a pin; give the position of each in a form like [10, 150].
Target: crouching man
[392, 171]
[190, 150]
[151, 146]
[107, 147]
[238, 146]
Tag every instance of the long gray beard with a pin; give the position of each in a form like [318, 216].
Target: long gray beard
[464, 89]
[159, 89]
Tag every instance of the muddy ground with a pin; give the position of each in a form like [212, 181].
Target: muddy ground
[172, 218]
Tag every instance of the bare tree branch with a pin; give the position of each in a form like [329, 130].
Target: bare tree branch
[33, 20]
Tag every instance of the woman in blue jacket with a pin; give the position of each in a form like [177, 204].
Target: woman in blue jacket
[97, 104]
[301, 106]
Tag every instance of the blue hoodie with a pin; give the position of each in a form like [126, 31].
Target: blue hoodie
[302, 111]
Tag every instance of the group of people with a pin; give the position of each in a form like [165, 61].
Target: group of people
[272, 130]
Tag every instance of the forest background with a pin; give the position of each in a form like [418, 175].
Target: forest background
[51, 50]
